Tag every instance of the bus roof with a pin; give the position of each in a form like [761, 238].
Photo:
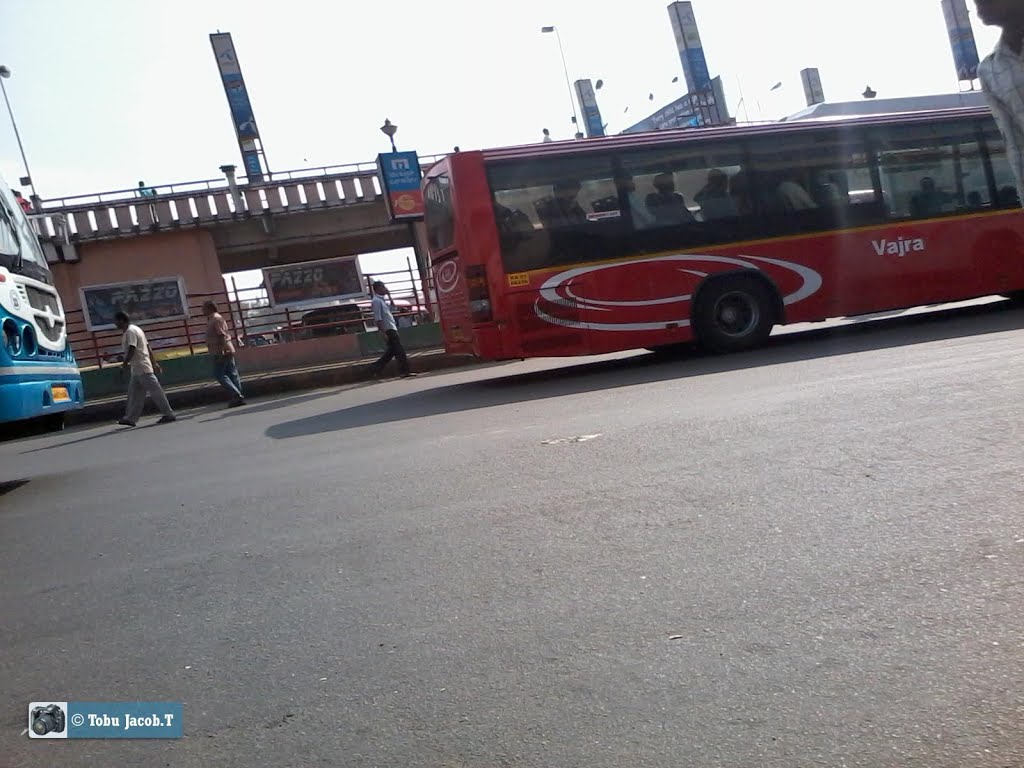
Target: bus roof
[876, 107]
[657, 138]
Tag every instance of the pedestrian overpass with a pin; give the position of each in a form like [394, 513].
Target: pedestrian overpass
[289, 217]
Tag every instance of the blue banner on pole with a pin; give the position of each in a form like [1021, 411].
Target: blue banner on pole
[234, 86]
[592, 120]
[961, 39]
[105, 720]
[699, 69]
[400, 179]
[241, 109]
[253, 167]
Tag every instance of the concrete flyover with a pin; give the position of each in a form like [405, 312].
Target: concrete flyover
[202, 229]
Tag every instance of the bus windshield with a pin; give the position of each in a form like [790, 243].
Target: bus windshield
[19, 247]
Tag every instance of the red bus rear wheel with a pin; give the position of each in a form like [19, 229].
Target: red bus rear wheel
[734, 313]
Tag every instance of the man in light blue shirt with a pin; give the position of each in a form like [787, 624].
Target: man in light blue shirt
[385, 321]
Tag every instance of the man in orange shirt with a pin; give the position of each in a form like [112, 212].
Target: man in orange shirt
[218, 341]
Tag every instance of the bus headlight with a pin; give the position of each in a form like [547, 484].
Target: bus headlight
[28, 340]
[12, 338]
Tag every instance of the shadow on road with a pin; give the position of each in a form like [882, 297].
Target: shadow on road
[11, 485]
[261, 406]
[650, 368]
[148, 421]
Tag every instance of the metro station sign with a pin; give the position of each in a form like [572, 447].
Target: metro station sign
[400, 179]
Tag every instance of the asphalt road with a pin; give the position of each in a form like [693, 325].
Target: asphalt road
[808, 555]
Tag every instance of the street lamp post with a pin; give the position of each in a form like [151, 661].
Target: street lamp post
[568, 84]
[389, 129]
[5, 73]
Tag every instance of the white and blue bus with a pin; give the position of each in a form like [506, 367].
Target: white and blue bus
[39, 377]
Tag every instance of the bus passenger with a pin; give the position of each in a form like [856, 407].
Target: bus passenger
[642, 218]
[929, 200]
[741, 194]
[714, 199]
[562, 209]
[791, 194]
[514, 227]
[666, 205]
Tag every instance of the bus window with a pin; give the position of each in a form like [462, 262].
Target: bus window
[681, 186]
[556, 210]
[813, 181]
[440, 213]
[1005, 183]
[931, 170]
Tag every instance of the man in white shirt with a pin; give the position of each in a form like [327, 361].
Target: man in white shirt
[385, 321]
[1002, 77]
[144, 382]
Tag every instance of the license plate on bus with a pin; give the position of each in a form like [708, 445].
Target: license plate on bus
[60, 394]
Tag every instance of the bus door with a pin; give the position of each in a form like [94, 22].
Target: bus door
[453, 303]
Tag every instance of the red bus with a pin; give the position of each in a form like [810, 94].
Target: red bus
[716, 235]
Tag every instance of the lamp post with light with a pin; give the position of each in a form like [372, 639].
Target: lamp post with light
[389, 129]
[5, 74]
[568, 84]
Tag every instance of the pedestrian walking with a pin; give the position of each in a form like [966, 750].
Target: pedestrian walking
[139, 361]
[385, 321]
[218, 341]
[1002, 77]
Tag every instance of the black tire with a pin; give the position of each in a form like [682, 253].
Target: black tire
[734, 313]
[1017, 297]
[54, 422]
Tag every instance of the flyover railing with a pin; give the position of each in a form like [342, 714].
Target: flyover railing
[208, 201]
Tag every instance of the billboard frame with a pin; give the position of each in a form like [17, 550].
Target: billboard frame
[323, 300]
[179, 280]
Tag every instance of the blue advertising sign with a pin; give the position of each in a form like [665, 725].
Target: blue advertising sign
[242, 116]
[241, 109]
[961, 39]
[675, 115]
[588, 104]
[252, 163]
[690, 111]
[400, 179]
[698, 69]
[688, 43]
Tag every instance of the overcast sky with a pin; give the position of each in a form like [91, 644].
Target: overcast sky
[110, 92]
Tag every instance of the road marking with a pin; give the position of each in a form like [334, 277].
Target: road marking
[576, 439]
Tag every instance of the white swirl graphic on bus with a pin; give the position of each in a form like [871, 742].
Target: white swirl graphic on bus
[447, 277]
[643, 314]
